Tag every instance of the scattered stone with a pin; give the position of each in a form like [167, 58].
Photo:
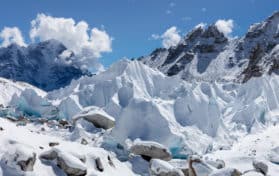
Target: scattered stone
[1, 129]
[84, 141]
[52, 144]
[149, 150]
[99, 164]
[43, 129]
[41, 147]
[260, 166]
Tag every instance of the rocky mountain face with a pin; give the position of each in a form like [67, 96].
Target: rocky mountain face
[38, 64]
[206, 53]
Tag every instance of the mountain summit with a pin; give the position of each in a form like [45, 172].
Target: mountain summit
[38, 64]
[207, 54]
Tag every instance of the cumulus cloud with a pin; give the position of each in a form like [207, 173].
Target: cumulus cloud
[169, 38]
[74, 35]
[225, 26]
[87, 44]
[11, 35]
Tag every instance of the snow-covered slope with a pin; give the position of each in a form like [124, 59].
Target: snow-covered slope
[38, 64]
[18, 143]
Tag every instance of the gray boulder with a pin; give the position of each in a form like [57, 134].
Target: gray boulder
[260, 166]
[226, 172]
[70, 164]
[96, 116]
[150, 149]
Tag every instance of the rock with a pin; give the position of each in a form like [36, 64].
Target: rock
[70, 164]
[96, 116]
[219, 164]
[163, 168]
[19, 156]
[27, 165]
[52, 144]
[260, 166]
[84, 141]
[110, 161]
[226, 172]
[1, 129]
[274, 155]
[197, 167]
[99, 164]
[63, 122]
[149, 150]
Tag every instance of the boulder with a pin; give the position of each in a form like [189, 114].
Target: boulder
[274, 155]
[96, 116]
[226, 172]
[99, 164]
[162, 168]
[260, 166]
[19, 156]
[52, 144]
[197, 167]
[70, 164]
[150, 149]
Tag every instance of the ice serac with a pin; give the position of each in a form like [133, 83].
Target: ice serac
[206, 54]
[38, 64]
[148, 105]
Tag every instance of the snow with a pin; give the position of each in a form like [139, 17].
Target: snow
[160, 166]
[69, 150]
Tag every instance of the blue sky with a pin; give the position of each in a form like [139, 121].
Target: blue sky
[132, 22]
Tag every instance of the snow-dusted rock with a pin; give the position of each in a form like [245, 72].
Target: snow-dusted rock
[98, 117]
[274, 155]
[150, 149]
[219, 164]
[19, 156]
[70, 164]
[162, 168]
[260, 166]
[197, 167]
[226, 172]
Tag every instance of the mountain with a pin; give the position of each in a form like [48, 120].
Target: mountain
[207, 54]
[210, 95]
[38, 64]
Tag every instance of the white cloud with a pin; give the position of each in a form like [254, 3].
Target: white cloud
[74, 35]
[87, 44]
[172, 4]
[155, 36]
[168, 12]
[169, 38]
[11, 35]
[203, 9]
[225, 26]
